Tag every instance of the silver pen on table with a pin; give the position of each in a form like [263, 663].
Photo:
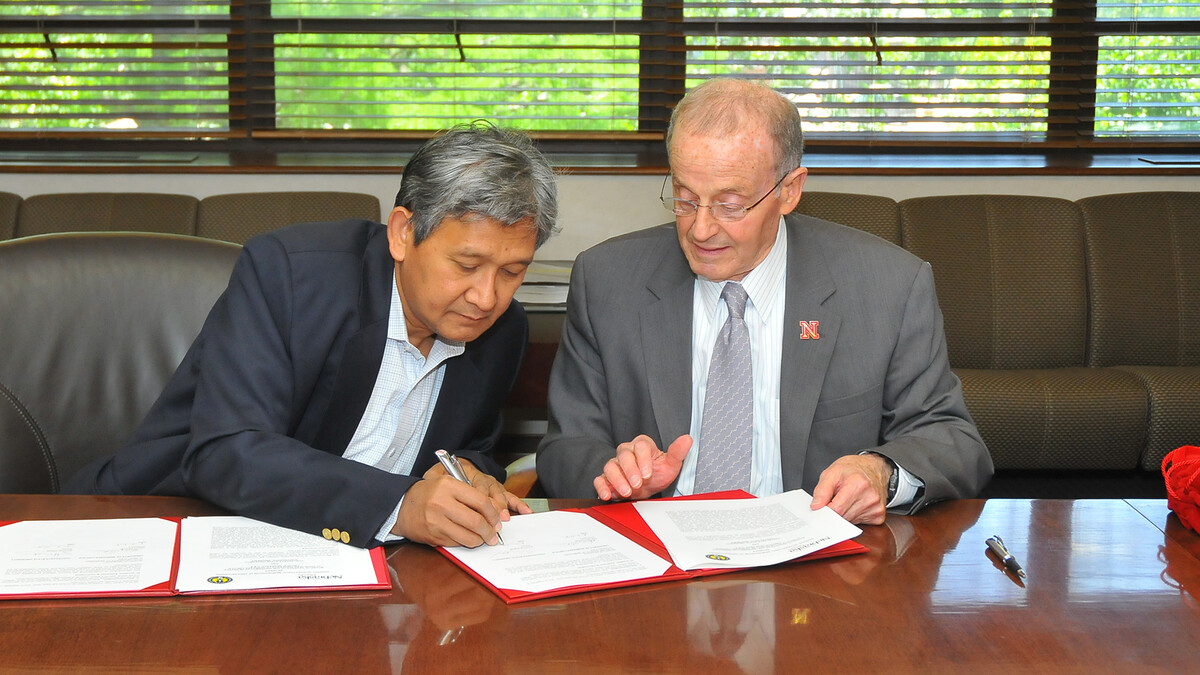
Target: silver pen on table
[996, 544]
[450, 463]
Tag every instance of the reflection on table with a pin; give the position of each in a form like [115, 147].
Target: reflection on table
[1112, 586]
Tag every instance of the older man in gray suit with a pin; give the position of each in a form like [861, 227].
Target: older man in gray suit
[764, 352]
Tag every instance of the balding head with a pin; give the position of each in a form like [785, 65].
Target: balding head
[726, 107]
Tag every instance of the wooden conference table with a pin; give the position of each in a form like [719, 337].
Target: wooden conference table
[1113, 586]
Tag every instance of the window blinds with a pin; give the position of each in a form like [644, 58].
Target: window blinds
[1053, 73]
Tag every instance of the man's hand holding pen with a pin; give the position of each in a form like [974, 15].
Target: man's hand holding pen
[441, 510]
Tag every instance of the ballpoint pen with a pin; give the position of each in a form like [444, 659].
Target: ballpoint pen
[450, 463]
[996, 544]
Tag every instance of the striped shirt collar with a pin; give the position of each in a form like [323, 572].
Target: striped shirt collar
[762, 284]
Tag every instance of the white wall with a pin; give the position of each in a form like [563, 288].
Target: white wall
[592, 207]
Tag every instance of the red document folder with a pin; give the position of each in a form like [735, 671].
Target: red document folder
[623, 518]
[168, 587]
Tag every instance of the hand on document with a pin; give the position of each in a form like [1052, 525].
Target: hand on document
[739, 533]
[632, 543]
[855, 486]
[442, 511]
[640, 470]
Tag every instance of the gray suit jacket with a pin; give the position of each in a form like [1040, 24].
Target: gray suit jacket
[877, 377]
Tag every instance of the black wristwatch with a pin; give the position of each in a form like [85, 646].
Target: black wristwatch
[893, 482]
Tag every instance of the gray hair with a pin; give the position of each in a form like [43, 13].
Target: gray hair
[482, 171]
[724, 106]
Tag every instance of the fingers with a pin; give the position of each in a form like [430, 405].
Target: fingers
[604, 489]
[506, 502]
[613, 482]
[495, 493]
[859, 505]
[627, 472]
[488, 485]
[855, 488]
[639, 469]
[677, 451]
[445, 512]
[636, 459]
[823, 492]
[624, 473]
[516, 504]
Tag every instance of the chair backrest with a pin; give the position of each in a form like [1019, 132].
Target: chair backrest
[1010, 275]
[238, 217]
[93, 326]
[107, 212]
[9, 203]
[1144, 272]
[870, 213]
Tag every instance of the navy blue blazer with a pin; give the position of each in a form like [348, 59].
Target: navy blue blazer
[269, 395]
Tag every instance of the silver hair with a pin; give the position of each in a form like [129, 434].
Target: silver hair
[724, 106]
[479, 170]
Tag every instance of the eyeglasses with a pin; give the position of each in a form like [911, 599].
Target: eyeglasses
[723, 211]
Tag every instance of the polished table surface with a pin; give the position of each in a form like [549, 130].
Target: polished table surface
[1113, 586]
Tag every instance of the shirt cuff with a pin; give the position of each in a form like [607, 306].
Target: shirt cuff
[385, 533]
[906, 488]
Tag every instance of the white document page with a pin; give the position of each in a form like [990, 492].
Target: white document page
[743, 532]
[549, 272]
[85, 556]
[543, 551]
[541, 294]
[231, 553]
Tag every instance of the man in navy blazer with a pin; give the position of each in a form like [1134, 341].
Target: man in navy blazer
[343, 355]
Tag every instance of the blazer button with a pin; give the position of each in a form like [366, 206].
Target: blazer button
[337, 534]
[345, 537]
[327, 533]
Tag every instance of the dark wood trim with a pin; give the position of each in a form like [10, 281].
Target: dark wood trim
[985, 163]
[662, 74]
[1073, 61]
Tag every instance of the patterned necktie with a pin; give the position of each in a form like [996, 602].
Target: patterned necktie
[725, 429]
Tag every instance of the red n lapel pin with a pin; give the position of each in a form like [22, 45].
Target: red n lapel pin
[808, 330]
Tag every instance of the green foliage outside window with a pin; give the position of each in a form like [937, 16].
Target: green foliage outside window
[583, 83]
[198, 69]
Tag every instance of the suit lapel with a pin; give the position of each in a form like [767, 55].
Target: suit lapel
[667, 343]
[447, 426]
[805, 360]
[362, 352]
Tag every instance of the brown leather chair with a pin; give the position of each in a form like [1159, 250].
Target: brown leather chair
[1144, 270]
[870, 213]
[9, 203]
[93, 326]
[1012, 284]
[238, 217]
[107, 212]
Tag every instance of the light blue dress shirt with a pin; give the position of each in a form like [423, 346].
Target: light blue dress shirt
[393, 426]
